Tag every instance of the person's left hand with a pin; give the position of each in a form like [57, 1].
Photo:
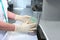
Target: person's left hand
[22, 18]
[26, 27]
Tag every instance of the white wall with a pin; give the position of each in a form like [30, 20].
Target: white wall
[21, 3]
[51, 10]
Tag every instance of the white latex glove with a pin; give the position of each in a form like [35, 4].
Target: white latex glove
[22, 18]
[25, 27]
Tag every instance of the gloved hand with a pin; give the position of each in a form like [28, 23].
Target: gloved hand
[22, 18]
[25, 27]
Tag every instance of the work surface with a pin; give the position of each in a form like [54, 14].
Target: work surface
[51, 29]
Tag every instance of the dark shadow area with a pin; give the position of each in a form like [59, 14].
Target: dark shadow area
[40, 33]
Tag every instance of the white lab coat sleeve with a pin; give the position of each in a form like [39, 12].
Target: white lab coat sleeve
[5, 4]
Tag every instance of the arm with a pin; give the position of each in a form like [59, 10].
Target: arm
[14, 16]
[18, 28]
[11, 15]
[17, 17]
[6, 26]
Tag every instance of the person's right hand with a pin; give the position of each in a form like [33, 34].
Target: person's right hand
[26, 27]
[22, 18]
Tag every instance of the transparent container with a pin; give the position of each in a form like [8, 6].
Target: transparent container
[36, 17]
